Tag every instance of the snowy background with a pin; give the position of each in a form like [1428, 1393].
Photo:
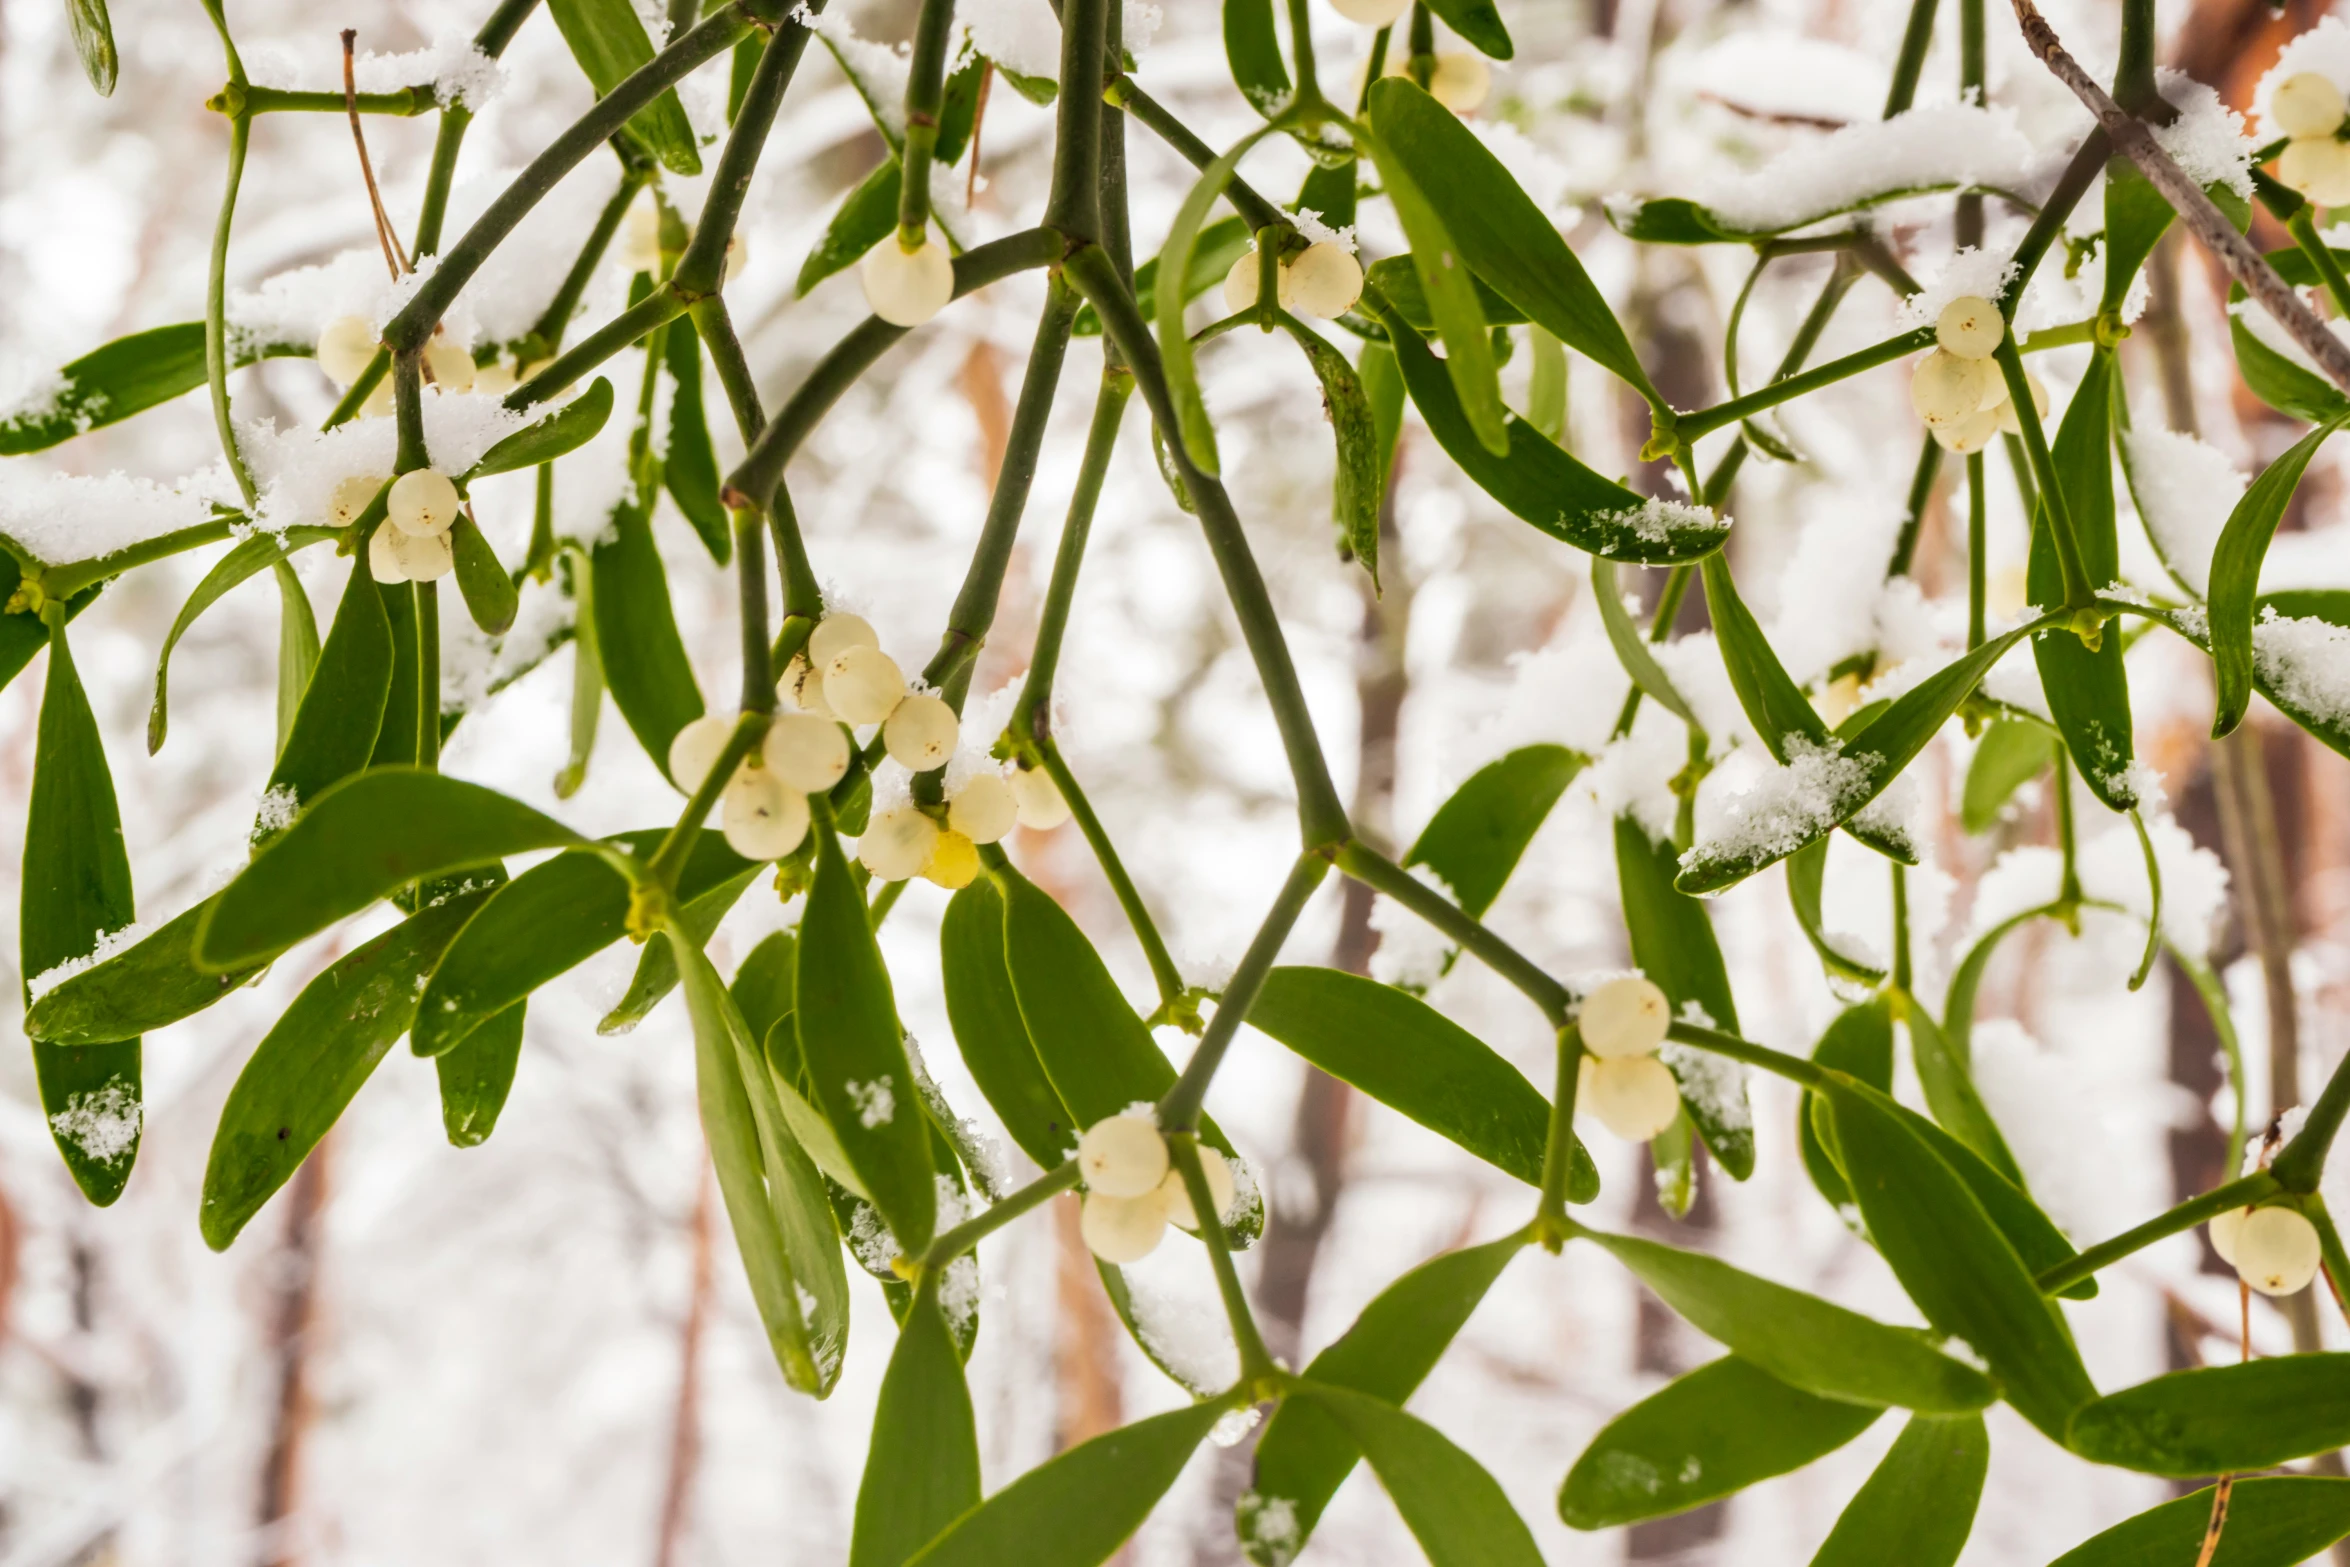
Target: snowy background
[488, 1349]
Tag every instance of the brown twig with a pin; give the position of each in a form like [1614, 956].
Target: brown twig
[2132, 137]
[978, 123]
[394, 256]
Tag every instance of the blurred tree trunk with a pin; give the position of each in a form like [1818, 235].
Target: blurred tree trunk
[292, 1318]
[685, 1439]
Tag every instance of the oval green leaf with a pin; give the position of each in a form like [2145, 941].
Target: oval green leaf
[490, 595]
[644, 662]
[1253, 51]
[1918, 1505]
[2221, 1419]
[566, 429]
[1478, 834]
[342, 713]
[1452, 1506]
[609, 41]
[2011, 754]
[2088, 690]
[1195, 431]
[2235, 574]
[2273, 1521]
[689, 464]
[984, 1011]
[1361, 475]
[477, 1075]
[922, 1462]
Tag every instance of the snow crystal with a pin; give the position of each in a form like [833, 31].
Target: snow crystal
[64, 518]
[1019, 35]
[1783, 808]
[1634, 776]
[104, 1125]
[876, 70]
[2324, 49]
[452, 65]
[1270, 1524]
[1310, 224]
[1694, 665]
[1714, 1086]
[1622, 1471]
[2306, 662]
[869, 1238]
[2185, 489]
[1829, 588]
[2207, 140]
[1972, 273]
[875, 1103]
[277, 810]
[1659, 521]
[34, 395]
[1184, 1330]
[1235, 1424]
[109, 943]
[291, 308]
[2194, 880]
[1929, 147]
[2271, 335]
[1248, 1197]
[1412, 954]
[299, 469]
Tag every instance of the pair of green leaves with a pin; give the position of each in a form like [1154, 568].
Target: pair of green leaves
[609, 41]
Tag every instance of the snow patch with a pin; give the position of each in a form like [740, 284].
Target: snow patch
[1937, 145]
[103, 1124]
[2185, 489]
[60, 519]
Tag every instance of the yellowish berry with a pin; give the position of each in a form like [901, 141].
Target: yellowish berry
[984, 809]
[2319, 168]
[496, 378]
[351, 497]
[863, 685]
[897, 843]
[738, 251]
[640, 237]
[383, 557]
[802, 686]
[379, 403]
[426, 557]
[907, 288]
[1325, 281]
[806, 752]
[835, 634]
[764, 819]
[1627, 1016]
[1122, 1156]
[1039, 800]
[1218, 1174]
[450, 367]
[2004, 410]
[1974, 432]
[921, 732]
[1370, 13]
[346, 347]
[695, 749]
[1634, 1097]
[1460, 81]
[1945, 388]
[2307, 105]
[2224, 1227]
[1120, 1230]
[2277, 1251]
[953, 862]
[423, 501]
[1970, 327]
[1241, 283]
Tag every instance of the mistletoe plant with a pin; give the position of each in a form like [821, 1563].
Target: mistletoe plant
[828, 1137]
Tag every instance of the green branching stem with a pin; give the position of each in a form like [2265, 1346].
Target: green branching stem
[1977, 569]
[1254, 208]
[1776, 1062]
[1368, 866]
[925, 100]
[1972, 75]
[237, 102]
[1031, 719]
[216, 355]
[1301, 42]
[1916, 39]
[1551, 1224]
[656, 310]
[953, 1243]
[547, 335]
[1164, 974]
[1256, 1362]
[2244, 1193]
[1073, 205]
[1179, 1107]
[1321, 817]
[63, 582]
[2133, 72]
[1921, 491]
[2078, 590]
[408, 412]
[750, 561]
[2088, 162]
[702, 268]
[715, 326]
[2303, 1160]
[1704, 421]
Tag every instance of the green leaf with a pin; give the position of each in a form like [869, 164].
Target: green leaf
[477, 1075]
[1954, 1262]
[1950, 1092]
[609, 41]
[985, 1013]
[1254, 53]
[1383, 387]
[656, 968]
[645, 667]
[545, 922]
[396, 741]
[1673, 943]
[1807, 872]
[2293, 698]
[922, 1462]
[1098, 1055]
[2010, 755]
[2273, 1521]
[1453, 1507]
[1219, 245]
[2288, 384]
[1772, 701]
[1477, 835]
[297, 648]
[1452, 301]
[1713, 1432]
[1546, 385]
[1502, 235]
[1667, 220]
[76, 890]
[866, 216]
[1418, 1062]
[758, 1192]
[1197, 434]
[342, 712]
[847, 1022]
[364, 839]
[1361, 476]
[1306, 1452]
[960, 115]
[127, 376]
[765, 984]
[93, 40]
[2136, 216]
[490, 595]
[1631, 648]
[309, 1066]
[2235, 574]
[689, 466]
[2088, 692]
[1077, 1509]
[1398, 282]
[2221, 1419]
[1919, 1503]
[1542, 485]
[138, 990]
[1477, 22]
[568, 428]
[1858, 1043]
[254, 553]
[1804, 1341]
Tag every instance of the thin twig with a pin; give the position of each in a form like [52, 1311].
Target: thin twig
[394, 256]
[2134, 139]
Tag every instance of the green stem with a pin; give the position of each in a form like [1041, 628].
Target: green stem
[1777, 1062]
[1551, 1224]
[1916, 39]
[216, 365]
[715, 34]
[1179, 1107]
[239, 102]
[1977, 569]
[1901, 970]
[661, 870]
[1032, 715]
[1374, 68]
[2068, 890]
[2088, 162]
[448, 140]
[1321, 817]
[63, 582]
[1301, 42]
[715, 326]
[369, 379]
[1256, 1362]
[925, 100]
[2214, 995]
[702, 269]
[951, 1244]
[1968, 226]
[1366, 865]
[1921, 491]
[1164, 973]
[1704, 421]
[656, 310]
[1073, 206]
[2078, 591]
[2133, 72]
[1422, 33]
[2236, 1194]
[2303, 1160]
[1255, 209]
[428, 671]
[750, 560]
[408, 412]
[884, 901]
[546, 336]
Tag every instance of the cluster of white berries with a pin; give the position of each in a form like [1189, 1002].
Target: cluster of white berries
[2275, 1250]
[1957, 389]
[412, 545]
[1322, 280]
[2316, 162]
[1133, 1191]
[765, 805]
[347, 346]
[907, 287]
[1633, 1094]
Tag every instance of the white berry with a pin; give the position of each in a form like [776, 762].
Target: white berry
[2319, 168]
[984, 809]
[953, 862]
[1039, 799]
[1634, 1097]
[1974, 432]
[2277, 1251]
[907, 288]
[346, 348]
[351, 497]
[763, 817]
[1122, 1229]
[737, 252]
[380, 402]
[863, 685]
[2307, 105]
[897, 843]
[1325, 281]
[424, 501]
[1240, 284]
[921, 732]
[426, 557]
[1122, 1156]
[2224, 1227]
[383, 555]
[1460, 82]
[694, 750]
[1370, 13]
[640, 239]
[808, 753]
[1945, 388]
[2004, 410]
[1970, 327]
[1627, 1016]
[496, 378]
[836, 634]
[1219, 1178]
[802, 686]
[450, 367]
